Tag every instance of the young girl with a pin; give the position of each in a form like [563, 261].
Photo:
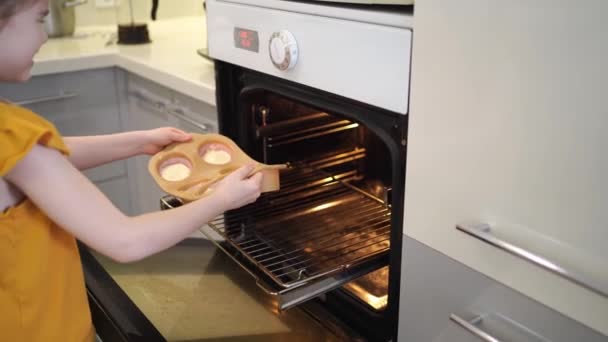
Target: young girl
[46, 203]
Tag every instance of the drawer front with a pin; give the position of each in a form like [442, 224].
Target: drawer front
[443, 300]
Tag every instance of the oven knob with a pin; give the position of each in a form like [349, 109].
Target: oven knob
[283, 50]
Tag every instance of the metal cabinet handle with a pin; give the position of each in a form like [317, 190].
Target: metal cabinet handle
[61, 96]
[170, 109]
[179, 113]
[150, 100]
[473, 329]
[483, 231]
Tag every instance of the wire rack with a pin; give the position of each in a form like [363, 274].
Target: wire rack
[316, 225]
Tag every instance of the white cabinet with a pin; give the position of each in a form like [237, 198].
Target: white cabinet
[152, 106]
[80, 103]
[508, 128]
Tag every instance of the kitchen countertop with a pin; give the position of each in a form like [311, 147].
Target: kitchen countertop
[194, 292]
[170, 59]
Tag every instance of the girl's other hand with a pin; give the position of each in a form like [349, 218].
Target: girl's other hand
[238, 189]
[155, 140]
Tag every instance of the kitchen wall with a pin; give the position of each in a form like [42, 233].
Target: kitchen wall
[88, 14]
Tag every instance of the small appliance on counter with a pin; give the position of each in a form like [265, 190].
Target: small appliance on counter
[130, 32]
[61, 20]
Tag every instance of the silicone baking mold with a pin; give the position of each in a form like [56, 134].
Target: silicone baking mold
[188, 170]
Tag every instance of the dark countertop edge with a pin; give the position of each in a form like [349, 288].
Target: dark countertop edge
[115, 316]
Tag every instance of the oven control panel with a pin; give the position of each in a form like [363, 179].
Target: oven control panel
[283, 50]
[363, 55]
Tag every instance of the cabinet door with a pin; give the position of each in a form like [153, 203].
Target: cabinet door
[143, 117]
[78, 103]
[508, 131]
[152, 106]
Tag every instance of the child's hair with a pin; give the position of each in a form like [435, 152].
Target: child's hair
[8, 8]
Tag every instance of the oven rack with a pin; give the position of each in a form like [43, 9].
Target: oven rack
[300, 128]
[318, 232]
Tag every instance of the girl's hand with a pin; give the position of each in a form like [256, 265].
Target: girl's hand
[155, 140]
[237, 189]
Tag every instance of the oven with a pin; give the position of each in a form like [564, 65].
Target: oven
[323, 89]
[333, 232]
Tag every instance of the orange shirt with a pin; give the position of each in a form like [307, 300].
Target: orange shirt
[42, 289]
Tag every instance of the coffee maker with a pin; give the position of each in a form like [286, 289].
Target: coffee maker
[131, 32]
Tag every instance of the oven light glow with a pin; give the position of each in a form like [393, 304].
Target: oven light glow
[374, 301]
[322, 207]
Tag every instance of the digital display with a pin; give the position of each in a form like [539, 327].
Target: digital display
[246, 39]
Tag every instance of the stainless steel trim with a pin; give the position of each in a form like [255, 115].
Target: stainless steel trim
[473, 329]
[61, 96]
[483, 231]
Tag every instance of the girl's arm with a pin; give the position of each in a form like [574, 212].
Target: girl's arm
[91, 151]
[76, 205]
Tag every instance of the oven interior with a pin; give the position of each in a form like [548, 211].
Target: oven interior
[332, 214]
